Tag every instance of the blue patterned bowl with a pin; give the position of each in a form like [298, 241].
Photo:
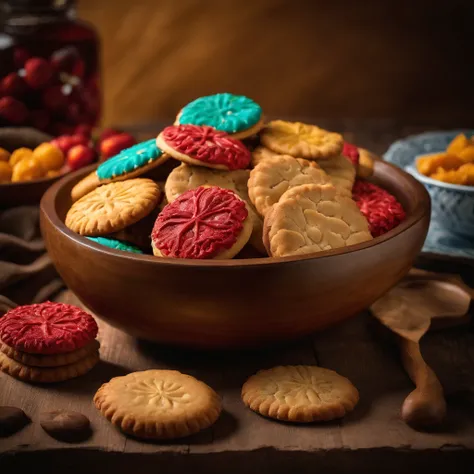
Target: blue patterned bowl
[452, 218]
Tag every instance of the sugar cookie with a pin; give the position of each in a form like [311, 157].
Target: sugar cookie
[341, 172]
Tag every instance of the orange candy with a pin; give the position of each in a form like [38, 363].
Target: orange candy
[4, 154]
[27, 170]
[49, 156]
[458, 144]
[5, 172]
[429, 164]
[467, 155]
[19, 155]
[53, 173]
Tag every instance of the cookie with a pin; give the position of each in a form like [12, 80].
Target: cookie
[85, 186]
[204, 146]
[262, 153]
[382, 210]
[341, 172]
[39, 360]
[300, 393]
[113, 207]
[366, 163]
[158, 404]
[301, 140]
[47, 374]
[64, 425]
[12, 419]
[313, 218]
[236, 115]
[270, 179]
[203, 223]
[115, 244]
[186, 177]
[47, 328]
[129, 163]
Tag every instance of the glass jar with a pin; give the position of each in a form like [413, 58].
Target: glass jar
[49, 67]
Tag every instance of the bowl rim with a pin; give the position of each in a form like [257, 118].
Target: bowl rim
[48, 211]
[412, 169]
[43, 180]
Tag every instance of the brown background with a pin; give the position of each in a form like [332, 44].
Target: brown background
[412, 60]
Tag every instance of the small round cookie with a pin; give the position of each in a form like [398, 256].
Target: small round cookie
[55, 360]
[47, 328]
[301, 140]
[262, 153]
[129, 163]
[115, 244]
[341, 172]
[204, 146]
[366, 163]
[186, 177]
[113, 207]
[300, 393]
[204, 223]
[312, 218]
[270, 179]
[236, 115]
[47, 374]
[158, 404]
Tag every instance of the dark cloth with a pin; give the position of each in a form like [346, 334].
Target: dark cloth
[27, 274]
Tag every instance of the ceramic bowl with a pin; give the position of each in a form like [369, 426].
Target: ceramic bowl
[240, 302]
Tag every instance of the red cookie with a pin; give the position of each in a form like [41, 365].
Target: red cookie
[380, 208]
[47, 328]
[351, 152]
[204, 146]
[206, 222]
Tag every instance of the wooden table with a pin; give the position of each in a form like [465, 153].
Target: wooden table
[371, 439]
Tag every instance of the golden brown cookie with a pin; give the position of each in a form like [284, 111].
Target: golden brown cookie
[186, 177]
[300, 393]
[313, 218]
[301, 140]
[55, 360]
[366, 163]
[158, 404]
[47, 374]
[85, 186]
[112, 207]
[262, 153]
[270, 179]
[341, 172]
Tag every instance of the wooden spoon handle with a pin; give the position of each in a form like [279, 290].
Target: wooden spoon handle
[425, 406]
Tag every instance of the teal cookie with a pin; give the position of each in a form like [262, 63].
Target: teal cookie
[225, 112]
[129, 160]
[115, 244]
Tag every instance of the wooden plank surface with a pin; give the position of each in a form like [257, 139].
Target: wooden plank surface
[359, 349]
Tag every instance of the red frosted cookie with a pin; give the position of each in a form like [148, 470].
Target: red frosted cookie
[351, 152]
[204, 146]
[206, 222]
[380, 208]
[47, 328]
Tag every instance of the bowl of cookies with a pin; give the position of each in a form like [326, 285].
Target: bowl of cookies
[200, 239]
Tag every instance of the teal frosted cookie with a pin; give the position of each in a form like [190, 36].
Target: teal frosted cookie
[132, 161]
[234, 114]
[115, 244]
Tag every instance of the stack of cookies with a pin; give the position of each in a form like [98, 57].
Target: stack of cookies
[281, 188]
[48, 342]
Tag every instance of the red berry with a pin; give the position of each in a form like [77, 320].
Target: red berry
[351, 152]
[12, 84]
[115, 144]
[83, 129]
[66, 142]
[20, 56]
[108, 132]
[64, 59]
[13, 111]
[38, 73]
[39, 119]
[54, 99]
[79, 156]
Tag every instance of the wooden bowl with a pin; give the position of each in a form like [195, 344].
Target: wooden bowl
[234, 303]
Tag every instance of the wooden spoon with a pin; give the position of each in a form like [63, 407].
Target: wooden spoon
[408, 310]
